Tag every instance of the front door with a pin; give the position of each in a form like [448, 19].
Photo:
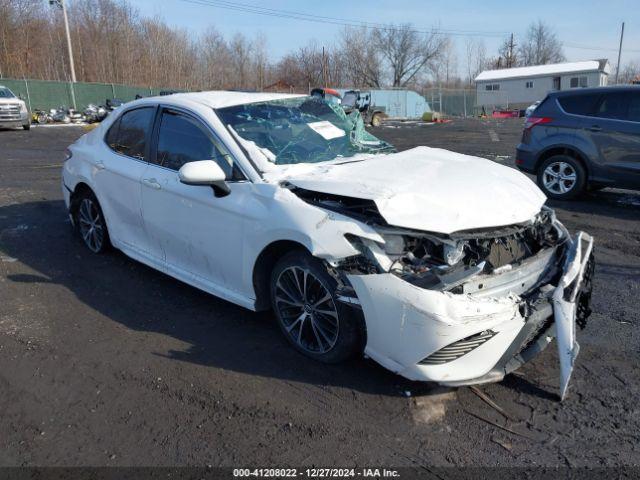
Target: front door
[614, 128]
[199, 235]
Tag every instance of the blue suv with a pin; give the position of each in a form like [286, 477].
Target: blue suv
[583, 139]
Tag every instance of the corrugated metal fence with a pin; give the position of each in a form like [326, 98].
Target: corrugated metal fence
[44, 94]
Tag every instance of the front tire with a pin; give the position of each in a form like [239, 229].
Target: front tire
[90, 223]
[303, 296]
[376, 120]
[562, 177]
[27, 126]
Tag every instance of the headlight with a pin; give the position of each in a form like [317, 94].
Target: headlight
[394, 245]
[23, 107]
[453, 253]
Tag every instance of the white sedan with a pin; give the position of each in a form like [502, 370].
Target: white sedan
[439, 266]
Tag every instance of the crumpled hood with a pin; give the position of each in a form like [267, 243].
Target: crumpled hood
[428, 189]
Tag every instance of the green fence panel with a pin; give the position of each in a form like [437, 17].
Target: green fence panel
[128, 93]
[44, 94]
[96, 93]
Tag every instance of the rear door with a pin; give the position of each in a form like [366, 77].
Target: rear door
[120, 163]
[614, 128]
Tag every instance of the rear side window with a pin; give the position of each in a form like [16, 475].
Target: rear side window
[634, 107]
[614, 106]
[579, 104]
[128, 135]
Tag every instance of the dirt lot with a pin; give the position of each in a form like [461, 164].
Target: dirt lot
[106, 362]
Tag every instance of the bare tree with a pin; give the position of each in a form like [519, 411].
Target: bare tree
[407, 52]
[629, 73]
[240, 49]
[362, 65]
[540, 46]
[310, 60]
[447, 66]
[259, 61]
[476, 58]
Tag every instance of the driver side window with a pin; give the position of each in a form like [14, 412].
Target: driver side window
[183, 139]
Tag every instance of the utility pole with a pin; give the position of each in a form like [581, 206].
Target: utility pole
[324, 69]
[620, 52]
[512, 46]
[62, 4]
[66, 28]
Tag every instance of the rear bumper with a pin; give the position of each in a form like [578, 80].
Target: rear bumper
[408, 327]
[525, 158]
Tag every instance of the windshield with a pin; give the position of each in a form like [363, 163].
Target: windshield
[6, 93]
[301, 130]
[349, 99]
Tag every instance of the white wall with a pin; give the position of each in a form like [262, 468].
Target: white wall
[513, 92]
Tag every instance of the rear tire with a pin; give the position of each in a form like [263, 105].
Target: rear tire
[90, 223]
[562, 177]
[303, 297]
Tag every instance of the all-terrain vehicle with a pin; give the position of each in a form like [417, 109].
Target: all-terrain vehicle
[353, 100]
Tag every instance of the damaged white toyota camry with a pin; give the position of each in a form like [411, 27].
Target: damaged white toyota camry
[439, 266]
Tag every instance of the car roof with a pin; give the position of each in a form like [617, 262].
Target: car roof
[224, 98]
[584, 91]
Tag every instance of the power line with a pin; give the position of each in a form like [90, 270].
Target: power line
[599, 49]
[297, 15]
[247, 8]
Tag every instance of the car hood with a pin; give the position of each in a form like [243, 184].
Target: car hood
[427, 189]
[6, 101]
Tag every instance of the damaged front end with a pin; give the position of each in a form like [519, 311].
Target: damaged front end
[468, 307]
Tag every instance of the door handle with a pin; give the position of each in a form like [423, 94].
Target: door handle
[595, 128]
[99, 164]
[152, 183]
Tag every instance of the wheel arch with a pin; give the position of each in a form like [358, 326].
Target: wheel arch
[263, 267]
[567, 150]
[80, 188]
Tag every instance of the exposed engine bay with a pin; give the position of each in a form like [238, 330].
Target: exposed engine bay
[436, 261]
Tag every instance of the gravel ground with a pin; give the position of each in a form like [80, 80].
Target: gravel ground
[107, 362]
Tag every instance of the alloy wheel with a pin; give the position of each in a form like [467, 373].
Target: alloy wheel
[559, 177]
[307, 310]
[90, 223]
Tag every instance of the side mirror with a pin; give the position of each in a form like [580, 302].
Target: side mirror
[205, 172]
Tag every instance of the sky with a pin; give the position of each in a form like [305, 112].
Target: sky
[586, 23]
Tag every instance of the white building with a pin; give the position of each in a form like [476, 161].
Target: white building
[515, 88]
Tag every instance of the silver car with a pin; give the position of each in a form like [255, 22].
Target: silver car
[13, 111]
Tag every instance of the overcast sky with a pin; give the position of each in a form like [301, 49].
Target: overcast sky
[583, 23]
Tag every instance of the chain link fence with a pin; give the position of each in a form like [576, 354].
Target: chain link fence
[452, 102]
[44, 94]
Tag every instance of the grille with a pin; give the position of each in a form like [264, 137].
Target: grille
[10, 112]
[458, 349]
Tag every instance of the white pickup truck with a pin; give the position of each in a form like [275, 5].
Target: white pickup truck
[13, 111]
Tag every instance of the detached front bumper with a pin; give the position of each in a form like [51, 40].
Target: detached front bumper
[461, 339]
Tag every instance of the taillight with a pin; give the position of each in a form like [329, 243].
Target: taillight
[533, 121]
